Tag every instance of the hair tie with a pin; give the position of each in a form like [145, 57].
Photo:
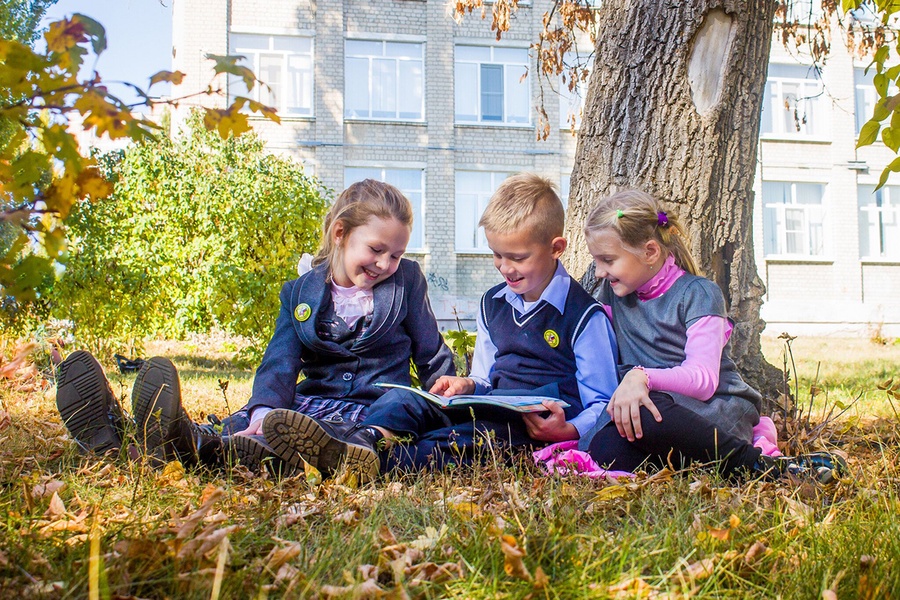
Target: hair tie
[620, 214]
[662, 219]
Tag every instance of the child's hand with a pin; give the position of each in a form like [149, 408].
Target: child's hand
[625, 405]
[550, 429]
[252, 429]
[453, 386]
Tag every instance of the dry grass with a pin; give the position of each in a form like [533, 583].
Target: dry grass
[486, 532]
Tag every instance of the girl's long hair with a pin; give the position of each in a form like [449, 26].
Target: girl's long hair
[354, 207]
[637, 217]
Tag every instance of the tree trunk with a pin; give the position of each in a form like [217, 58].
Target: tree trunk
[673, 108]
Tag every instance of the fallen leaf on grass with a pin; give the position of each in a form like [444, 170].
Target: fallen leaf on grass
[700, 569]
[348, 517]
[279, 556]
[47, 488]
[430, 539]
[172, 475]
[187, 525]
[205, 542]
[629, 588]
[5, 421]
[512, 558]
[754, 552]
[611, 492]
[541, 580]
[57, 508]
[359, 591]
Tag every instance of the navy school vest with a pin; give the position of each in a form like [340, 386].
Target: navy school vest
[538, 348]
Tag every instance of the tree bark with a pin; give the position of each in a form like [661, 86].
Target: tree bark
[673, 108]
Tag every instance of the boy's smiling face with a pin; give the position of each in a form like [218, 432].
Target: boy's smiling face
[526, 263]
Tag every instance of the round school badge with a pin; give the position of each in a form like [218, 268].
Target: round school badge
[552, 338]
[302, 312]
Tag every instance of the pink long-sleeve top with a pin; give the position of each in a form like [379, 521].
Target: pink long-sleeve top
[698, 375]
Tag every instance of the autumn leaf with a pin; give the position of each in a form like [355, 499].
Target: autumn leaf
[512, 558]
[64, 34]
[173, 77]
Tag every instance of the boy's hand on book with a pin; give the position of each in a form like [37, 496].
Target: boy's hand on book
[626, 402]
[452, 386]
[553, 428]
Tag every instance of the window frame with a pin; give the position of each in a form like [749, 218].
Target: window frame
[253, 56]
[397, 72]
[781, 222]
[882, 196]
[492, 61]
[482, 197]
[812, 103]
[419, 211]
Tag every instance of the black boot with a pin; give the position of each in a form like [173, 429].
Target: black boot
[164, 430]
[823, 467]
[324, 445]
[253, 452]
[87, 405]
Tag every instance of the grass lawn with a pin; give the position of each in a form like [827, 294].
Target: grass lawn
[73, 526]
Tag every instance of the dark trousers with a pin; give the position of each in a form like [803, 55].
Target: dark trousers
[437, 437]
[682, 437]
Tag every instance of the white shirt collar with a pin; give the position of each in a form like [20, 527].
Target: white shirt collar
[555, 293]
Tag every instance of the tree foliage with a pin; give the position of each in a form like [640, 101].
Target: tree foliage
[19, 19]
[42, 173]
[200, 233]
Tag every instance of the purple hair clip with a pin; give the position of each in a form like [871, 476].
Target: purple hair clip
[662, 219]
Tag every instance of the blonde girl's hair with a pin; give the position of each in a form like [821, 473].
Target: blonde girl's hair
[525, 200]
[354, 207]
[637, 217]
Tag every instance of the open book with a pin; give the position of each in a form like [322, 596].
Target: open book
[524, 404]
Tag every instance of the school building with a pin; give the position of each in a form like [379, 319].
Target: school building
[396, 90]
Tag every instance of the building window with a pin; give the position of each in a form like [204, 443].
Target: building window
[793, 218]
[805, 12]
[794, 103]
[565, 188]
[284, 63]
[492, 85]
[879, 222]
[383, 80]
[866, 97]
[408, 181]
[473, 191]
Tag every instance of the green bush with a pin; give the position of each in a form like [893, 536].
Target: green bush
[200, 233]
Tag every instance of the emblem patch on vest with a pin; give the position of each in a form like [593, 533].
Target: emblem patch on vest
[302, 312]
[552, 338]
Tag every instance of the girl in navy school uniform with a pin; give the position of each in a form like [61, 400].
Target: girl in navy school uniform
[355, 319]
[681, 398]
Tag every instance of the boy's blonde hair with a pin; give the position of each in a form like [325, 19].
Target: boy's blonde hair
[638, 217]
[525, 200]
[354, 207]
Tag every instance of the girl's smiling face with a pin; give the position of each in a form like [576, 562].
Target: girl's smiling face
[625, 268]
[370, 253]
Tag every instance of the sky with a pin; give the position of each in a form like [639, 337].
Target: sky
[138, 35]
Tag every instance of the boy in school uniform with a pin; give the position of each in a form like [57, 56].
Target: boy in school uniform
[539, 333]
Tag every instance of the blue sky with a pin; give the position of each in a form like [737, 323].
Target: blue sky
[139, 39]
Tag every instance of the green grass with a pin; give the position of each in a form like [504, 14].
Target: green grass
[440, 535]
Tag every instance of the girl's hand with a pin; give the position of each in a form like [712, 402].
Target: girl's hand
[453, 386]
[252, 429]
[625, 405]
[550, 429]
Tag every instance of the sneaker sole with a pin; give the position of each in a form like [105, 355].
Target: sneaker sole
[85, 401]
[255, 455]
[157, 403]
[295, 436]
